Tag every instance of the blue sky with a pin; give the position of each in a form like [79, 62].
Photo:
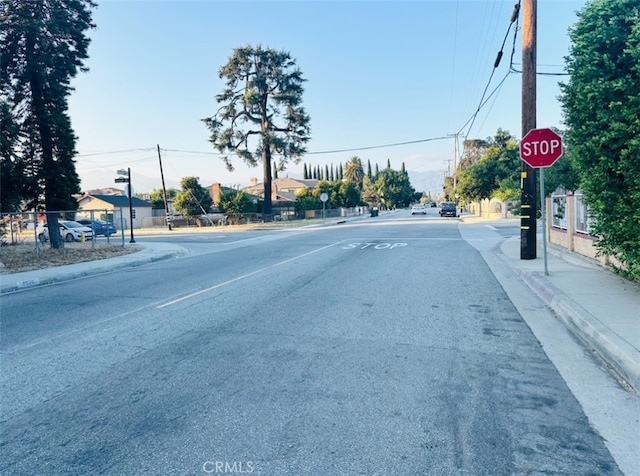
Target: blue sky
[378, 73]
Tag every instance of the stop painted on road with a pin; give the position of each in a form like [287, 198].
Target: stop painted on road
[377, 246]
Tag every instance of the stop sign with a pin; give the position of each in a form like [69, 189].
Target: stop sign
[541, 147]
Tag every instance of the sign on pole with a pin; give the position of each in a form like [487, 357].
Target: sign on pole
[541, 148]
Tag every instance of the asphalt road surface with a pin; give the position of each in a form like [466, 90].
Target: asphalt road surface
[385, 346]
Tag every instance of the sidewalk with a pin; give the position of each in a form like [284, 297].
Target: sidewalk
[597, 306]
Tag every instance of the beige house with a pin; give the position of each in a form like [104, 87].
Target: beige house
[282, 189]
[115, 208]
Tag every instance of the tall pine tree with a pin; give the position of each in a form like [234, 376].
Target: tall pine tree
[44, 45]
[260, 113]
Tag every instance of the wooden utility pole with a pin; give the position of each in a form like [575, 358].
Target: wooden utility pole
[529, 209]
[164, 190]
[455, 166]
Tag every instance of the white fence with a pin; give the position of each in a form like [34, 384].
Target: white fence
[569, 208]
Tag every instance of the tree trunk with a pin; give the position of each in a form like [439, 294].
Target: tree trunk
[266, 162]
[46, 138]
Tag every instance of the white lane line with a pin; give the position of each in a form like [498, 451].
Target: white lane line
[202, 291]
[492, 227]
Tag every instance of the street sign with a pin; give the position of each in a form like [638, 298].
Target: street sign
[324, 197]
[541, 148]
[122, 180]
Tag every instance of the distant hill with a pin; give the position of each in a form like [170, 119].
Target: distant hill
[430, 181]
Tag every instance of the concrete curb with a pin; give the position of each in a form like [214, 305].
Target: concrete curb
[83, 270]
[609, 347]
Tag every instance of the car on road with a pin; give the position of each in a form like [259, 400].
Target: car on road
[448, 209]
[418, 210]
[69, 231]
[99, 227]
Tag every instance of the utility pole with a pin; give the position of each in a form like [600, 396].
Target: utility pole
[455, 167]
[164, 191]
[529, 211]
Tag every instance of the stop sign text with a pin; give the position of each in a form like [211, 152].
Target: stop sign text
[541, 147]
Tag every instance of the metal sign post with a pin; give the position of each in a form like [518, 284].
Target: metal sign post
[324, 197]
[125, 177]
[540, 148]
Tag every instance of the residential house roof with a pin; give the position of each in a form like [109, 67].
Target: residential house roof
[120, 200]
[284, 188]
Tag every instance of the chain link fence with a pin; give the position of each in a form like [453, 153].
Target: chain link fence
[30, 229]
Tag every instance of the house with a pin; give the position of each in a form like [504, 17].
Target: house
[216, 190]
[115, 208]
[282, 189]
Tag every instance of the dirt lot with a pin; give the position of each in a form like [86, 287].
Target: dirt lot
[21, 257]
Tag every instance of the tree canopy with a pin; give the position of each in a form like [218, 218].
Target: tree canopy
[389, 188]
[354, 173]
[44, 45]
[235, 203]
[261, 114]
[600, 102]
[495, 173]
[156, 197]
[193, 200]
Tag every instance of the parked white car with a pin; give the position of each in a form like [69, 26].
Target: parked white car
[69, 231]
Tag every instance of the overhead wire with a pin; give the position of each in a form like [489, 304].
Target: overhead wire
[483, 100]
[115, 152]
[489, 22]
[514, 19]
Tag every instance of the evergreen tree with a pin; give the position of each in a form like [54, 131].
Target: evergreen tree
[264, 90]
[44, 45]
[13, 187]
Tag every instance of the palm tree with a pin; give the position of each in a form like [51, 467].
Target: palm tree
[354, 172]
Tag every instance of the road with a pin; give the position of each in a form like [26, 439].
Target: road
[385, 346]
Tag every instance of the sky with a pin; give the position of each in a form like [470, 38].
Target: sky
[378, 74]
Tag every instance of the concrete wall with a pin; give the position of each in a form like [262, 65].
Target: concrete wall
[493, 209]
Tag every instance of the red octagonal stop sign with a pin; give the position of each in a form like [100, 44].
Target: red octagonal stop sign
[541, 147]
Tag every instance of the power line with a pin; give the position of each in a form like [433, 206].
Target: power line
[191, 152]
[320, 152]
[376, 146]
[513, 20]
[115, 152]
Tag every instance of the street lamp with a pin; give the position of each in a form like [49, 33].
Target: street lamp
[125, 177]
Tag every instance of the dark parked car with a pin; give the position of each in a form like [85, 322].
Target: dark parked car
[99, 227]
[448, 209]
